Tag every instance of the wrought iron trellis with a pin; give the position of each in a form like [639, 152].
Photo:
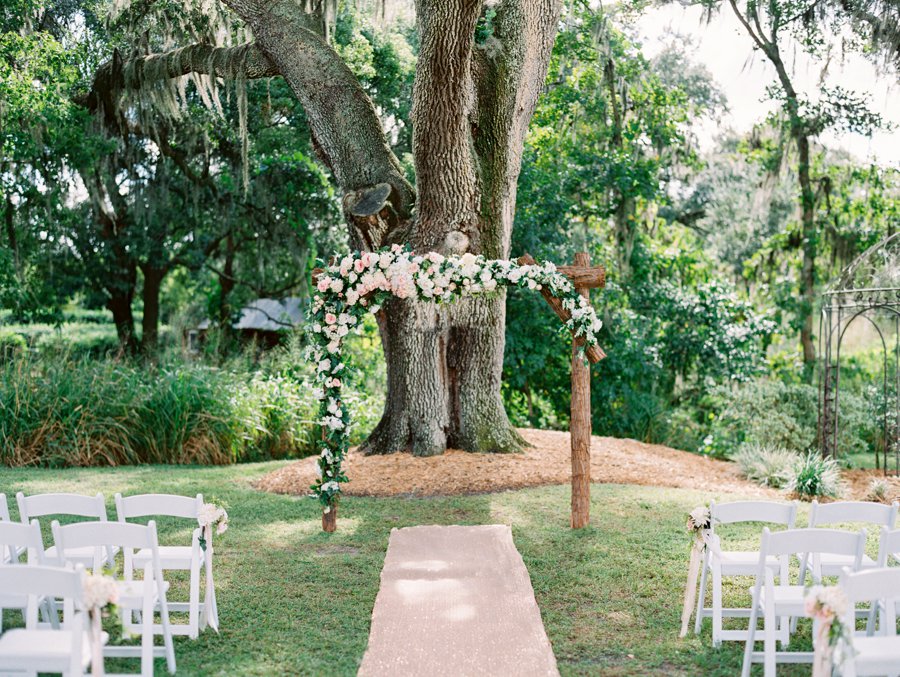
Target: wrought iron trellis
[868, 289]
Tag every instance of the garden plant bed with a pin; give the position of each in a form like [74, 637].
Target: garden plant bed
[547, 461]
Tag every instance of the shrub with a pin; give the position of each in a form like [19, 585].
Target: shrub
[58, 411]
[769, 412]
[878, 490]
[815, 476]
[11, 345]
[770, 466]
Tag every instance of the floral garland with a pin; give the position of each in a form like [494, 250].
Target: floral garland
[833, 640]
[362, 281]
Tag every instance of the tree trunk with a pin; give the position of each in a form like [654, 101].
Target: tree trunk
[11, 239]
[624, 226]
[470, 112]
[808, 269]
[119, 303]
[153, 278]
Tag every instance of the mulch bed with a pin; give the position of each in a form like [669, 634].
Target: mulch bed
[616, 461]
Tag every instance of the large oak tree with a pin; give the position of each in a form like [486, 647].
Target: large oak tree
[481, 66]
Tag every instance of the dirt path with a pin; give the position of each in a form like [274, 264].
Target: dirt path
[547, 462]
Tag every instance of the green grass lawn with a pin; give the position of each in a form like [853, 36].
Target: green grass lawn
[293, 600]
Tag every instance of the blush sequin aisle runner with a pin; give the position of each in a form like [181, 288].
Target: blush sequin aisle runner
[456, 601]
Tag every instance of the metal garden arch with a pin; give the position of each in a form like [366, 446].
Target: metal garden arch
[868, 289]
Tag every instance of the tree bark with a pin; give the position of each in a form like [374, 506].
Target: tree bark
[153, 279]
[121, 296]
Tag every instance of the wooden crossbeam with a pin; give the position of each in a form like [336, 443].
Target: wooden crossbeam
[587, 273]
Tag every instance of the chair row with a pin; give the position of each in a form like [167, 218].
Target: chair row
[66, 646]
[189, 558]
[96, 543]
[720, 563]
[875, 650]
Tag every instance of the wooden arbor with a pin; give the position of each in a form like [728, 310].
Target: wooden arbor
[585, 277]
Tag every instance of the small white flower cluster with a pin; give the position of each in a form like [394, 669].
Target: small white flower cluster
[699, 519]
[99, 591]
[361, 281]
[211, 515]
[826, 603]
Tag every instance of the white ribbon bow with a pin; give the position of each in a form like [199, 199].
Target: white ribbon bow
[822, 650]
[96, 633]
[703, 540]
[210, 615]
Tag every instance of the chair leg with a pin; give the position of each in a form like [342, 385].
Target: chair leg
[194, 607]
[147, 637]
[769, 639]
[167, 634]
[717, 606]
[751, 636]
[701, 597]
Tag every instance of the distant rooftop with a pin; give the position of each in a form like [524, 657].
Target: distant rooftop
[268, 315]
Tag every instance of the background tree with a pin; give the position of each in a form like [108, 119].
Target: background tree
[769, 25]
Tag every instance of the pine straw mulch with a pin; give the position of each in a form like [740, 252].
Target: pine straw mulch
[615, 461]
[858, 481]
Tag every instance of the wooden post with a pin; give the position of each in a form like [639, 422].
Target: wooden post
[580, 424]
[329, 520]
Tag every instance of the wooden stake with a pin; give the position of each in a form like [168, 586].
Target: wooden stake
[580, 425]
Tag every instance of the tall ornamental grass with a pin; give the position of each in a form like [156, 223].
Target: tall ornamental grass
[83, 412]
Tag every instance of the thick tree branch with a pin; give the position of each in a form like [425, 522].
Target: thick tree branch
[345, 126]
[510, 67]
[443, 102]
[244, 61]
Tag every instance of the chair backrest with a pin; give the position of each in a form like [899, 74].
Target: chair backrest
[821, 541]
[806, 542]
[854, 512]
[169, 505]
[61, 504]
[770, 512]
[4, 509]
[94, 534]
[15, 538]
[43, 581]
[871, 585]
[889, 546]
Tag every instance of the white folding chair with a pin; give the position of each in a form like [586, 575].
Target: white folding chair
[888, 554]
[30, 650]
[878, 655]
[143, 596]
[41, 505]
[16, 539]
[6, 557]
[888, 548]
[849, 512]
[172, 557]
[720, 563]
[784, 600]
